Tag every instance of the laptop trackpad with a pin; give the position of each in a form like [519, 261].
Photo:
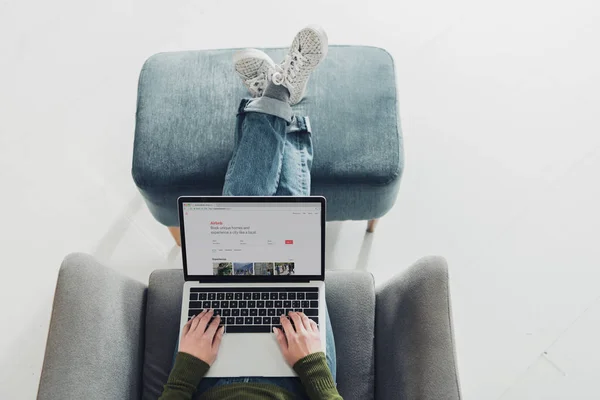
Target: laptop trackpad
[249, 354]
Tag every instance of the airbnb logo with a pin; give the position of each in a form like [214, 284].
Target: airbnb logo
[216, 222]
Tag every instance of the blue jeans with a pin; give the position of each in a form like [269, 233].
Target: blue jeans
[272, 152]
[272, 156]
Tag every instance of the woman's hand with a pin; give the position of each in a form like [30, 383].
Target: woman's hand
[201, 339]
[297, 343]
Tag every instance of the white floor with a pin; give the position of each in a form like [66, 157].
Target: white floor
[499, 105]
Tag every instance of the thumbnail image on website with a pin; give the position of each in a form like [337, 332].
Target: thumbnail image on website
[259, 268]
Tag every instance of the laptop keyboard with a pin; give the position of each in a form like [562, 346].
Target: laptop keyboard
[254, 310]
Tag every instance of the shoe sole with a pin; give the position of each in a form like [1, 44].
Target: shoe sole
[323, 35]
[252, 53]
[324, 49]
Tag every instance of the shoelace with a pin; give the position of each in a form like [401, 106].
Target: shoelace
[258, 83]
[288, 70]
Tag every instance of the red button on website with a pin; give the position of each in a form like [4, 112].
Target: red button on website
[289, 242]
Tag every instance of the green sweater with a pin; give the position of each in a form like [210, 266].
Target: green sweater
[189, 370]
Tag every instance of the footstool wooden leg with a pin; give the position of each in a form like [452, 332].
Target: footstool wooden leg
[371, 225]
[176, 234]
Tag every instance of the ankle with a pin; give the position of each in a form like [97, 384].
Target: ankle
[278, 92]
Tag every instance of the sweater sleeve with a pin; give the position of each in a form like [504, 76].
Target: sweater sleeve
[187, 373]
[316, 377]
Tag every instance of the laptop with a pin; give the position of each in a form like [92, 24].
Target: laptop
[252, 259]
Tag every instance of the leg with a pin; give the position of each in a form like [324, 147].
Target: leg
[255, 165]
[297, 162]
[257, 160]
[176, 233]
[371, 225]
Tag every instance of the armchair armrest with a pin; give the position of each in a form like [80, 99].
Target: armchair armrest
[414, 344]
[95, 343]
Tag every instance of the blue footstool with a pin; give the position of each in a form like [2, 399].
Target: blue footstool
[185, 122]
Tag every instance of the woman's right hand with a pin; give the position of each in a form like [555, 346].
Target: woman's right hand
[202, 338]
[299, 340]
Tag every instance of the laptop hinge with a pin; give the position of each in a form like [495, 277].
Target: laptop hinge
[242, 283]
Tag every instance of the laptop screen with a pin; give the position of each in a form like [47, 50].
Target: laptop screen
[234, 240]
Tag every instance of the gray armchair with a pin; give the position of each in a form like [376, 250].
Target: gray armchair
[113, 338]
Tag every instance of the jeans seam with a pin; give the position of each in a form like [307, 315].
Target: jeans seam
[280, 164]
[238, 126]
[302, 165]
[234, 155]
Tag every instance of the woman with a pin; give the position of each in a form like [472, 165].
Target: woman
[272, 157]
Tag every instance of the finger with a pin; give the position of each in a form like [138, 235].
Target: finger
[187, 326]
[298, 324]
[283, 344]
[196, 321]
[204, 320]
[314, 326]
[218, 338]
[287, 327]
[212, 328]
[305, 321]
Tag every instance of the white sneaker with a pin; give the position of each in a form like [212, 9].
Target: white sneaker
[308, 49]
[255, 68]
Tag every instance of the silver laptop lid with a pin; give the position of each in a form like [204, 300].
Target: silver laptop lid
[252, 239]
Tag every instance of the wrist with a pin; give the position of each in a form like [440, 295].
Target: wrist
[188, 369]
[194, 355]
[315, 375]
